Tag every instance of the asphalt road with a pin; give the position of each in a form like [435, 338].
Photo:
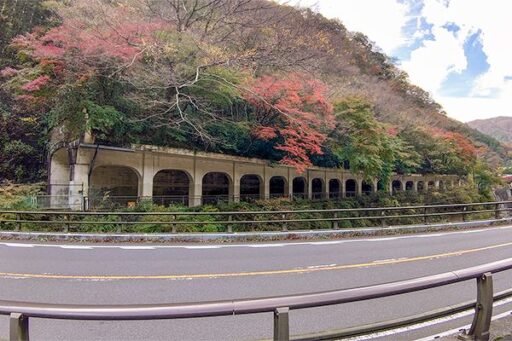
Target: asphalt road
[133, 274]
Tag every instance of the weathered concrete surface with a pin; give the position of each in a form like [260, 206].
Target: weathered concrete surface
[131, 172]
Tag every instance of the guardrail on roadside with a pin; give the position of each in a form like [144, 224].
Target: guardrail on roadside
[265, 220]
[280, 306]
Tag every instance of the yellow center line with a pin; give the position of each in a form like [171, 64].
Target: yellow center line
[256, 273]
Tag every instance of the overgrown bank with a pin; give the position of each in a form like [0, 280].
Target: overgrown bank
[213, 223]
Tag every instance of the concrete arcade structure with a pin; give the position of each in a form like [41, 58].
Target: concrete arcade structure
[84, 172]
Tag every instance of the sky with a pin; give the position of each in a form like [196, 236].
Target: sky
[458, 50]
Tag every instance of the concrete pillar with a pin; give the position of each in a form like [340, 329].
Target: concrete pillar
[79, 187]
[402, 185]
[415, 186]
[234, 191]
[390, 186]
[436, 184]
[196, 195]
[266, 188]
[289, 187]
[343, 188]
[375, 185]
[146, 189]
[326, 188]
[359, 187]
[309, 186]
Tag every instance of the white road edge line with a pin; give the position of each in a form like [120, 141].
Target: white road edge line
[431, 323]
[259, 245]
[467, 326]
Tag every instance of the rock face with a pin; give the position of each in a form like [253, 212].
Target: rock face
[498, 127]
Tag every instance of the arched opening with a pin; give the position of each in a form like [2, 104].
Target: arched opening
[409, 186]
[431, 185]
[351, 188]
[381, 186]
[421, 186]
[396, 185]
[277, 187]
[113, 186]
[367, 188]
[250, 187]
[216, 188]
[171, 186]
[299, 188]
[334, 189]
[317, 188]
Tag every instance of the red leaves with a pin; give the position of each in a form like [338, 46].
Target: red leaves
[465, 147]
[297, 109]
[36, 84]
[8, 72]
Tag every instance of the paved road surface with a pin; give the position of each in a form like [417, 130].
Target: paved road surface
[132, 274]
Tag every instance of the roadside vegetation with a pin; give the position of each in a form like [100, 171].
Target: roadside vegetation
[101, 223]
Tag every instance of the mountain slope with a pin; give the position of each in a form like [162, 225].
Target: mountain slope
[498, 127]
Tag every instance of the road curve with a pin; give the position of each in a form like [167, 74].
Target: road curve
[132, 274]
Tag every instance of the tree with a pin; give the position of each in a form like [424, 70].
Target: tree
[293, 112]
[366, 144]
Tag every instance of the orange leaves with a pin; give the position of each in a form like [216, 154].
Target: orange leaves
[294, 111]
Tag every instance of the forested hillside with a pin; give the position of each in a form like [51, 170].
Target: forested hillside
[498, 127]
[244, 77]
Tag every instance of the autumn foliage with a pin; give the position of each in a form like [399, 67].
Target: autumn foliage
[293, 110]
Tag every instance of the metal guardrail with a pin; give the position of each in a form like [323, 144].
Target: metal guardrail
[280, 306]
[334, 217]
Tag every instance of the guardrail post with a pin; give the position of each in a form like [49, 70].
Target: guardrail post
[464, 217]
[230, 227]
[281, 324]
[18, 327]
[66, 227]
[335, 221]
[18, 224]
[174, 227]
[483, 310]
[284, 228]
[497, 211]
[382, 220]
[425, 216]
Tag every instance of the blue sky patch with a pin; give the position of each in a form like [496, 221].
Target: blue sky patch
[459, 84]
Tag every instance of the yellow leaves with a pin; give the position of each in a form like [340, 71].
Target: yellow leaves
[29, 119]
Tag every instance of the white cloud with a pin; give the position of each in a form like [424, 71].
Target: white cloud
[429, 65]
[380, 20]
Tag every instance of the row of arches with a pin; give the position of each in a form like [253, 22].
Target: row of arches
[177, 186]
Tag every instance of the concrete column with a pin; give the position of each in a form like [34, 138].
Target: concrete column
[343, 188]
[326, 188]
[289, 189]
[375, 185]
[146, 190]
[415, 186]
[402, 185]
[235, 190]
[265, 193]
[196, 195]
[390, 186]
[309, 186]
[79, 186]
[436, 184]
[359, 187]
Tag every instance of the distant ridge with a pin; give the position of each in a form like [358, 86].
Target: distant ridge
[498, 127]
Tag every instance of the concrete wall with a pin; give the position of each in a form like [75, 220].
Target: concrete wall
[104, 167]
